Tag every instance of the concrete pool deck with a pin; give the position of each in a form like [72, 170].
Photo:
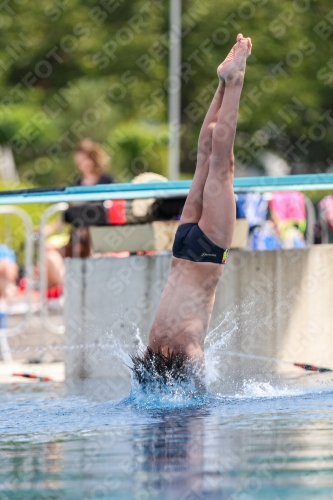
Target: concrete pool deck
[36, 343]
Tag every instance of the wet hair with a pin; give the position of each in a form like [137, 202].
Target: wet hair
[154, 368]
[95, 152]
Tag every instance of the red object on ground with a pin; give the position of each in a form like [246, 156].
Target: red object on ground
[116, 212]
[31, 375]
[55, 291]
[312, 368]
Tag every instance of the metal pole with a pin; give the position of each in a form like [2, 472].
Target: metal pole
[174, 88]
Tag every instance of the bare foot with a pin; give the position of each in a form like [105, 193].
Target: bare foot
[233, 67]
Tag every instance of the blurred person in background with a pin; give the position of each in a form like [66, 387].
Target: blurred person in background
[8, 276]
[91, 160]
[8, 270]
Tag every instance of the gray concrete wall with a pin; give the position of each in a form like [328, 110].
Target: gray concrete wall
[276, 304]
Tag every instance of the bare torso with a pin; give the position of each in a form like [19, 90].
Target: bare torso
[184, 311]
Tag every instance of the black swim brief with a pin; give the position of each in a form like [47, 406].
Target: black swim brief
[192, 244]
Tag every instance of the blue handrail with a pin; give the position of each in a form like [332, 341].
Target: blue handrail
[171, 189]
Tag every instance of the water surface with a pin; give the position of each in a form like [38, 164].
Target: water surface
[265, 442]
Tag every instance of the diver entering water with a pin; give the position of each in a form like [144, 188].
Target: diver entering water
[203, 237]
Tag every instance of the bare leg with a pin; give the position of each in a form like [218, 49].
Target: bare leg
[219, 208]
[193, 207]
[55, 268]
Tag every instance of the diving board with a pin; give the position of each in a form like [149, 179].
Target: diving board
[171, 189]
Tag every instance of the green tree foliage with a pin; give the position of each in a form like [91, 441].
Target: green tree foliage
[100, 69]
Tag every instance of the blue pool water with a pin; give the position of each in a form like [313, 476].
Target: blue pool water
[266, 442]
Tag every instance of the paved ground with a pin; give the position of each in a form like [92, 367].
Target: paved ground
[36, 344]
[35, 351]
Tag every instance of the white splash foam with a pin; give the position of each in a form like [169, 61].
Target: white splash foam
[216, 340]
[254, 389]
[184, 395]
[121, 349]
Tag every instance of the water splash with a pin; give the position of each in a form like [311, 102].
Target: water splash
[171, 396]
[253, 389]
[169, 378]
[216, 340]
[122, 349]
[118, 347]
